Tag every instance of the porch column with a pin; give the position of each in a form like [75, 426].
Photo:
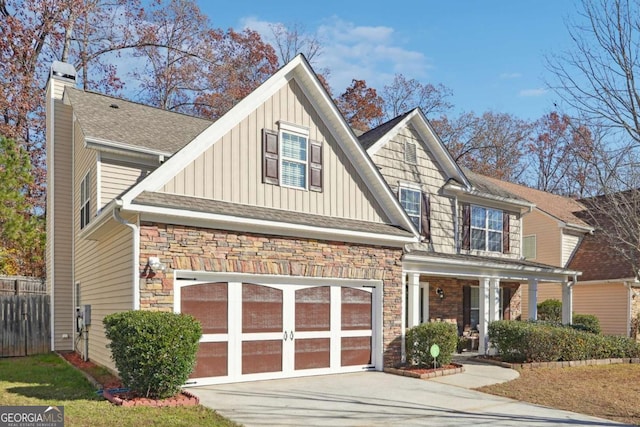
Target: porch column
[533, 299]
[494, 299]
[425, 302]
[567, 303]
[414, 300]
[403, 322]
[483, 325]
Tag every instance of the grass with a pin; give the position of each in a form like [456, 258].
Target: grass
[605, 391]
[48, 380]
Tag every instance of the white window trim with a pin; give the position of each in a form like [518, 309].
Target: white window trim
[299, 131]
[417, 189]
[85, 187]
[486, 230]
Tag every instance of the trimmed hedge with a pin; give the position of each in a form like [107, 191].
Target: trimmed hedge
[550, 310]
[526, 341]
[420, 339]
[587, 322]
[154, 351]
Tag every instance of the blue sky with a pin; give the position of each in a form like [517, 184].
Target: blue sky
[489, 53]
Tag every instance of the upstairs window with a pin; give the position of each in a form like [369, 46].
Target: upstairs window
[410, 200]
[294, 159]
[291, 159]
[486, 229]
[85, 201]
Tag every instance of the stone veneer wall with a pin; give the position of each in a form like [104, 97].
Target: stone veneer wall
[201, 249]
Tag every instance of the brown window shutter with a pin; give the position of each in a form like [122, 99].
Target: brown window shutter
[270, 162]
[506, 303]
[425, 217]
[315, 165]
[506, 237]
[466, 306]
[466, 227]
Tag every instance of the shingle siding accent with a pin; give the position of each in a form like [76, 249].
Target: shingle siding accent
[200, 249]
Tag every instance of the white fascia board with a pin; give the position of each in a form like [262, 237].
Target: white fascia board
[620, 281]
[120, 148]
[581, 229]
[213, 133]
[475, 196]
[228, 222]
[355, 152]
[467, 268]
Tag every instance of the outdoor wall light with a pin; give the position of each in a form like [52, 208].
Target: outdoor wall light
[155, 264]
[440, 292]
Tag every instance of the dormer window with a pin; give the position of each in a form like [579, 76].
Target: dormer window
[410, 152]
[486, 229]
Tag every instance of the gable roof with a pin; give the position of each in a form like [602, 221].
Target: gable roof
[376, 138]
[488, 186]
[105, 119]
[598, 261]
[300, 70]
[563, 209]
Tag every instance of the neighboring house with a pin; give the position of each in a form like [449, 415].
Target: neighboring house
[274, 227]
[558, 233]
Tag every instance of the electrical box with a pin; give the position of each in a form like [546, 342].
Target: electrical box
[86, 314]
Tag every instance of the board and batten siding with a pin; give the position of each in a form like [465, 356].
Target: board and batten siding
[60, 223]
[117, 176]
[231, 169]
[569, 244]
[426, 174]
[102, 268]
[548, 237]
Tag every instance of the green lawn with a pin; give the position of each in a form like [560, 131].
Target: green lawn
[49, 380]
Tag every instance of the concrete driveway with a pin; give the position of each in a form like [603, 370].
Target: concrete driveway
[375, 399]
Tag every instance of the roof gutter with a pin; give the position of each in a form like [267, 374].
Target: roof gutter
[136, 252]
[121, 148]
[470, 193]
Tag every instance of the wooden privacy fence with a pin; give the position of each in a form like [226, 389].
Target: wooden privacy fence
[22, 285]
[24, 325]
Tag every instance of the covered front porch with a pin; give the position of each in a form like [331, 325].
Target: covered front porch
[473, 291]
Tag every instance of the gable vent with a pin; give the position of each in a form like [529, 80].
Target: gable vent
[410, 152]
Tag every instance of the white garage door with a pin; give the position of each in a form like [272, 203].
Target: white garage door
[254, 330]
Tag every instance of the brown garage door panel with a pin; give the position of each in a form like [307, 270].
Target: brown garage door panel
[356, 309]
[356, 351]
[211, 360]
[261, 356]
[207, 302]
[313, 309]
[261, 309]
[312, 353]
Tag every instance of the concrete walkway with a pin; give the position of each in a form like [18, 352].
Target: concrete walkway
[379, 399]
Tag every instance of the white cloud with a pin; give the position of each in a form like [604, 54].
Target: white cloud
[371, 53]
[533, 92]
[509, 76]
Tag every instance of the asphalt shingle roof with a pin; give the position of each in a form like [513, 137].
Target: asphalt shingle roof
[116, 120]
[268, 214]
[369, 138]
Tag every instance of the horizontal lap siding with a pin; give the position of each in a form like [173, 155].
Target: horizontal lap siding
[231, 170]
[545, 291]
[117, 176]
[548, 237]
[61, 224]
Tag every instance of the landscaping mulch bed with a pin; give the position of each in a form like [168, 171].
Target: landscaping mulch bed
[111, 386]
[426, 373]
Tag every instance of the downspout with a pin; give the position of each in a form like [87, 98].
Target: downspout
[627, 285]
[136, 252]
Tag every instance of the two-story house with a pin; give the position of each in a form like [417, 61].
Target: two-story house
[301, 249]
[558, 232]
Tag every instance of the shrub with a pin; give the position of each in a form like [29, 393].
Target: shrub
[154, 351]
[420, 339]
[550, 310]
[546, 342]
[587, 322]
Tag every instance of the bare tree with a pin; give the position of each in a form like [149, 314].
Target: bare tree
[405, 94]
[292, 40]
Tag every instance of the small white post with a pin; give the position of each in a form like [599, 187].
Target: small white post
[414, 299]
[567, 303]
[533, 299]
[483, 326]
